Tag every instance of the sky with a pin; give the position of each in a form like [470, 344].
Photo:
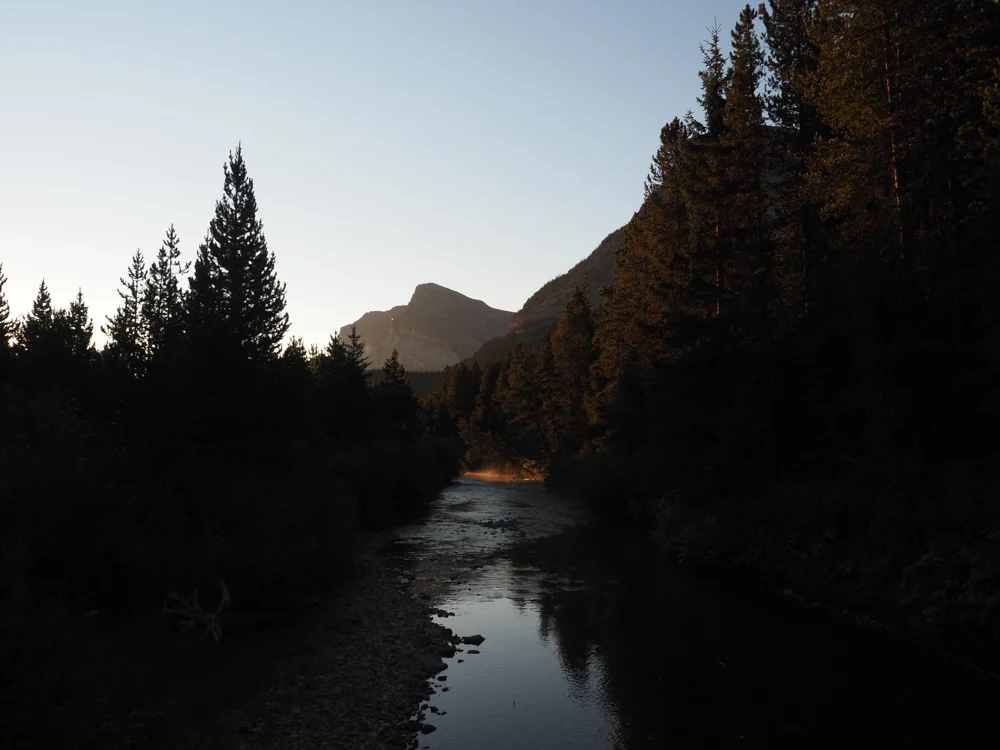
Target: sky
[483, 146]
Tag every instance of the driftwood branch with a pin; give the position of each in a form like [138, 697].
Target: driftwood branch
[191, 613]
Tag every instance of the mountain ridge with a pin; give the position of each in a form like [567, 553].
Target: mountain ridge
[541, 311]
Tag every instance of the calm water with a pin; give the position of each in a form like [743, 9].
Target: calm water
[591, 643]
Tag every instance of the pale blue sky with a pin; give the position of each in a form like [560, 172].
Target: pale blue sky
[485, 146]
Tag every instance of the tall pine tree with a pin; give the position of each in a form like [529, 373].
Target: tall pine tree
[791, 62]
[236, 304]
[703, 184]
[163, 301]
[713, 83]
[128, 336]
[747, 269]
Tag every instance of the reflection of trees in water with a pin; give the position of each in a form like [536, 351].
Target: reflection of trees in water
[675, 661]
[589, 615]
[562, 611]
[648, 671]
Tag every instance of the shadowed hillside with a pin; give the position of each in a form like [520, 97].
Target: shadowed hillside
[541, 312]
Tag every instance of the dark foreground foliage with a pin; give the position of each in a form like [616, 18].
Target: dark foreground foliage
[796, 370]
[193, 448]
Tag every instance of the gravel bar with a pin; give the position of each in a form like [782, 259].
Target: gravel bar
[361, 680]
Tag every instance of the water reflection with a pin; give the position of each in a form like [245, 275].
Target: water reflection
[590, 643]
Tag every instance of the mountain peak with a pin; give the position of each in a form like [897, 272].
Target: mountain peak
[431, 292]
[436, 328]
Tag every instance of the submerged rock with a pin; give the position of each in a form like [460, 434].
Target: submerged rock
[472, 640]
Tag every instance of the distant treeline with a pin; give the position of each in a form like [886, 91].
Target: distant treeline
[798, 366]
[193, 447]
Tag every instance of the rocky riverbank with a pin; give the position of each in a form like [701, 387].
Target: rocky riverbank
[360, 680]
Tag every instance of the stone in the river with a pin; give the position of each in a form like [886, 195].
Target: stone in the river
[472, 651]
[427, 728]
[431, 663]
[473, 640]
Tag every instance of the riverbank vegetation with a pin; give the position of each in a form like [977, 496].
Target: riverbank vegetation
[199, 444]
[796, 369]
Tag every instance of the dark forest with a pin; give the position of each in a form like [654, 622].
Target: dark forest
[795, 371]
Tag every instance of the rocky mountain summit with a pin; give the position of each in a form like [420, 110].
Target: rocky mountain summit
[436, 328]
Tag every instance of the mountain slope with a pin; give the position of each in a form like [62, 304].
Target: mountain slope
[436, 328]
[541, 312]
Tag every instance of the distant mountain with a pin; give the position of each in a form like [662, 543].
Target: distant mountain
[541, 313]
[436, 328]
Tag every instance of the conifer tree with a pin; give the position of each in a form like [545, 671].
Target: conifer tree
[296, 388]
[335, 353]
[295, 358]
[855, 171]
[355, 350]
[334, 384]
[343, 387]
[40, 321]
[572, 353]
[703, 262]
[47, 343]
[521, 401]
[791, 62]
[236, 301]
[747, 270]
[713, 83]
[398, 406]
[481, 430]
[703, 181]
[8, 327]
[81, 327]
[393, 370]
[127, 332]
[545, 382]
[163, 299]
[662, 294]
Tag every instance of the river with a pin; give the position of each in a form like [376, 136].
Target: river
[592, 642]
